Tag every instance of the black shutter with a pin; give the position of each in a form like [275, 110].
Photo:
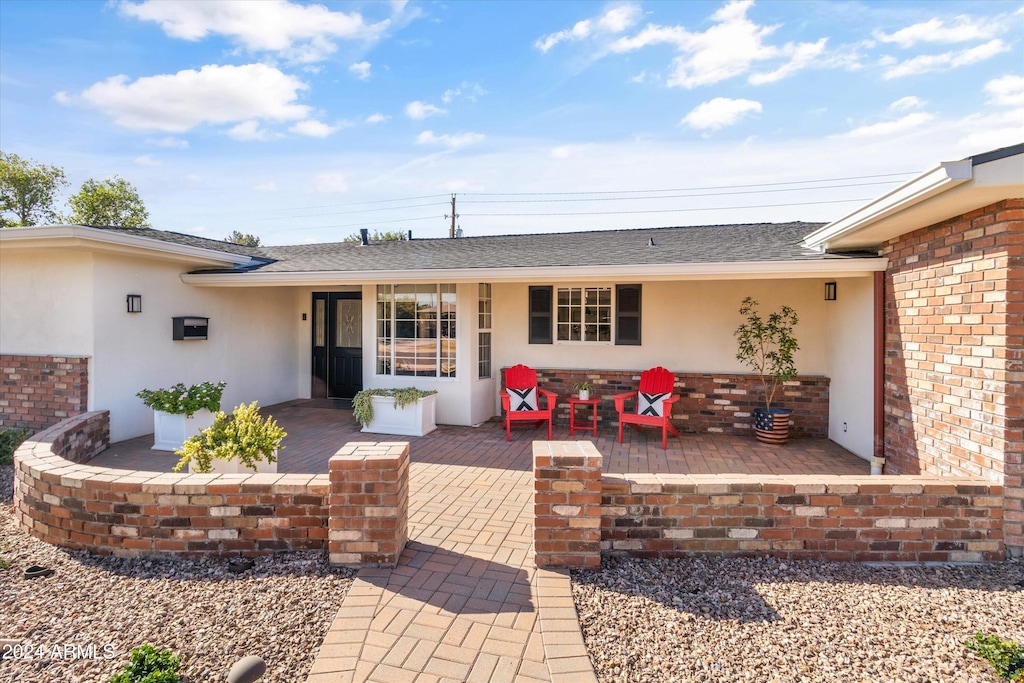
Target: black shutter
[627, 315]
[541, 314]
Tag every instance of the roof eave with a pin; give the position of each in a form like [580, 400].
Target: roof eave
[830, 267]
[73, 235]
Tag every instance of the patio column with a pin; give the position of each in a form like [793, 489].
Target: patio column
[567, 497]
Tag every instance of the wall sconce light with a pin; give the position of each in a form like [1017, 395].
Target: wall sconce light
[135, 303]
[830, 291]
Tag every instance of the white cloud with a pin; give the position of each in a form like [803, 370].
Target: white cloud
[428, 137]
[249, 130]
[377, 118]
[312, 128]
[62, 97]
[1007, 91]
[467, 90]
[615, 20]
[420, 110]
[888, 128]
[266, 186]
[960, 30]
[563, 152]
[301, 33]
[727, 49]
[148, 160]
[214, 94]
[719, 113]
[360, 70]
[169, 142]
[907, 103]
[330, 182]
[923, 64]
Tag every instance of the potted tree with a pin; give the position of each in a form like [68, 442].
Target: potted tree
[408, 411]
[180, 412]
[243, 442]
[766, 345]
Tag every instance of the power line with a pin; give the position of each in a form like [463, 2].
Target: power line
[702, 208]
[345, 213]
[672, 196]
[360, 225]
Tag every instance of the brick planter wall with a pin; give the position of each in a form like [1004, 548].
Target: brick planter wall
[136, 513]
[369, 503]
[890, 519]
[715, 402]
[954, 366]
[567, 504]
[39, 391]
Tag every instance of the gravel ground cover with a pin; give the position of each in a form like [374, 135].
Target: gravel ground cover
[766, 620]
[103, 607]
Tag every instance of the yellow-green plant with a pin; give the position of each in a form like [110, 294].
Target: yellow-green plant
[244, 436]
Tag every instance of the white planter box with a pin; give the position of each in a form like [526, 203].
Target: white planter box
[236, 467]
[170, 432]
[415, 419]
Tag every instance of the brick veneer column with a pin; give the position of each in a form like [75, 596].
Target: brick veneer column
[39, 391]
[369, 514]
[567, 504]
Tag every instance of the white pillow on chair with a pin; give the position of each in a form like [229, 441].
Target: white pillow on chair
[522, 399]
[651, 405]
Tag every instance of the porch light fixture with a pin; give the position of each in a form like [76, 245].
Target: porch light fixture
[830, 291]
[135, 303]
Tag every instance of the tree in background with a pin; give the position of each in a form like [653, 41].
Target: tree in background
[113, 202]
[28, 191]
[245, 239]
[386, 236]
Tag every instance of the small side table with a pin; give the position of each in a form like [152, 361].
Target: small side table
[592, 427]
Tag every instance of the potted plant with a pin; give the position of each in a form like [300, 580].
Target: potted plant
[583, 388]
[180, 412]
[408, 411]
[766, 345]
[243, 442]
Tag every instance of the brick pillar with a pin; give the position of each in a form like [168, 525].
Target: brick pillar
[369, 504]
[567, 504]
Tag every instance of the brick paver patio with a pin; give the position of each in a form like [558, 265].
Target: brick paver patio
[466, 602]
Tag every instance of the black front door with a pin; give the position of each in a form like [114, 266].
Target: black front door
[337, 344]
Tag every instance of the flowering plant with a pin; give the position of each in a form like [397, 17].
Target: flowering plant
[182, 400]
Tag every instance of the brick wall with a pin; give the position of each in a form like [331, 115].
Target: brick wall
[39, 391]
[716, 403]
[369, 522]
[890, 519]
[954, 366]
[567, 504]
[136, 513]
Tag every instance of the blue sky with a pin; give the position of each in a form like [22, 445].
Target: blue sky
[302, 122]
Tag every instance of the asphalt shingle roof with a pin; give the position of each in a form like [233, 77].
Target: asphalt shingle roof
[678, 245]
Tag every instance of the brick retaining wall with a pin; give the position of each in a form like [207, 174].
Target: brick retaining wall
[40, 391]
[714, 402]
[137, 513]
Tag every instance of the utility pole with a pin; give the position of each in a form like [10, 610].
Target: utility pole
[451, 232]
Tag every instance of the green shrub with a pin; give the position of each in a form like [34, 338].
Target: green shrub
[245, 436]
[149, 665]
[1005, 656]
[182, 400]
[10, 439]
[362, 404]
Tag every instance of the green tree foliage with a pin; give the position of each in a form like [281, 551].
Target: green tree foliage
[113, 201]
[377, 236]
[244, 239]
[28, 191]
[766, 346]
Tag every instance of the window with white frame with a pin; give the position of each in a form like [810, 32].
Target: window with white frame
[416, 330]
[484, 333]
[584, 314]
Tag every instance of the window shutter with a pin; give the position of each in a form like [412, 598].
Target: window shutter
[541, 299]
[627, 315]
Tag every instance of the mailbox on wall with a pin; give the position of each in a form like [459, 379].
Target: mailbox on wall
[190, 327]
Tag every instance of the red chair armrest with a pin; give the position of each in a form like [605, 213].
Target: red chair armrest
[620, 400]
[551, 398]
[671, 399]
[506, 402]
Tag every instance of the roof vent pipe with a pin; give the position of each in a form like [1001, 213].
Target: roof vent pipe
[410, 235]
[364, 235]
[650, 241]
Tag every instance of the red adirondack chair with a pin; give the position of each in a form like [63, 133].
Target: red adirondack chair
[656, 382]
[520, 379]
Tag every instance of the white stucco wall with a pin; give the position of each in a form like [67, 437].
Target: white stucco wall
[46, 302]
[251, 344]
[849, 348]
